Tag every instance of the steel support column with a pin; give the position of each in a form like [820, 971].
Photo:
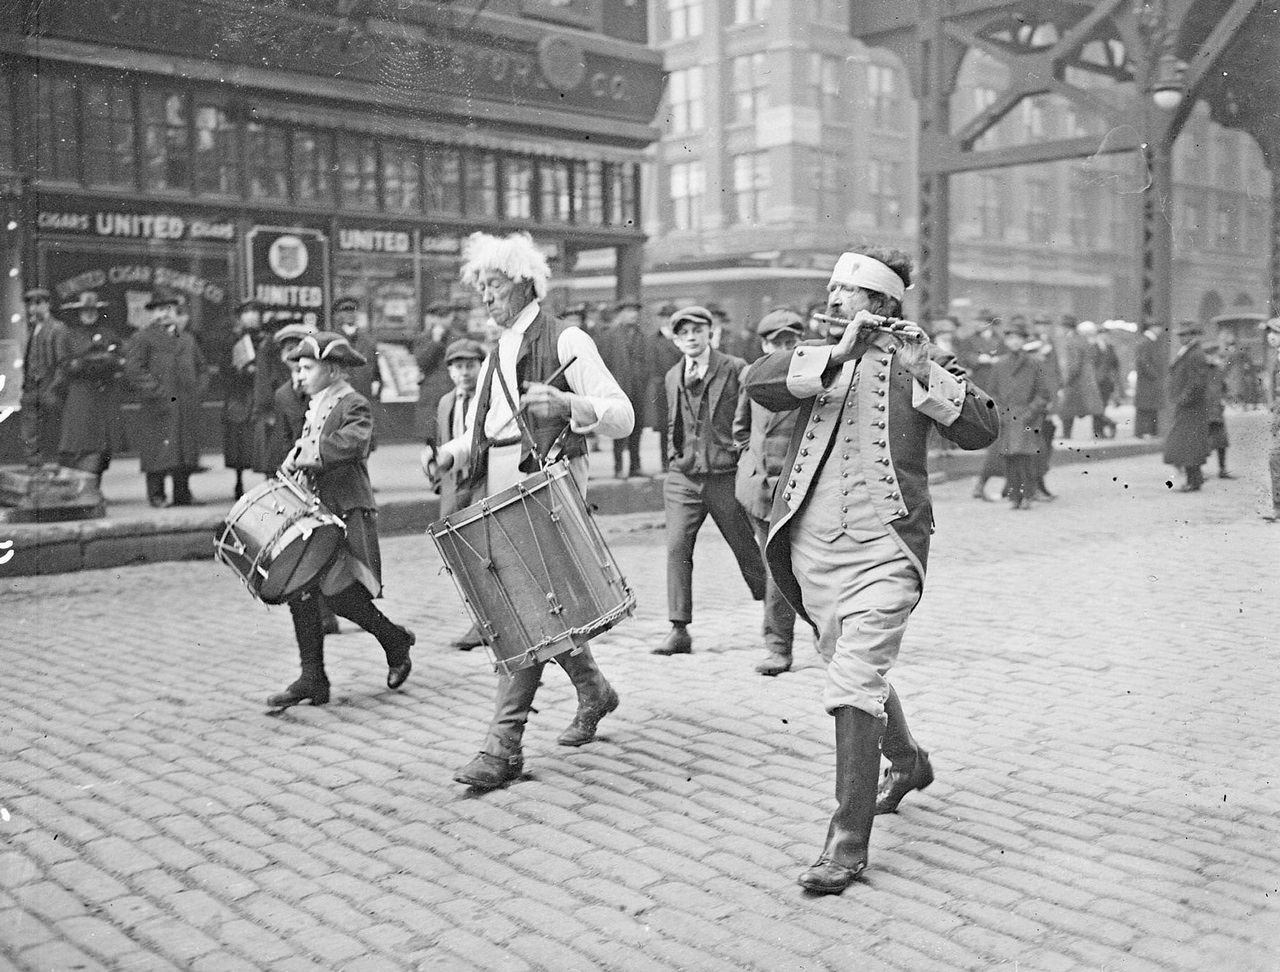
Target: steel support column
[1155, 303]
[932, 280]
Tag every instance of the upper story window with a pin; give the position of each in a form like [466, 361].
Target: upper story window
[751, 181]
[109, 132]
[553, 184]
[685, 91]
[750, 11]
[166, 139]
[750, 86]
[401, 178]
[824, 76]
[57, 141]
[684, 18]
[518, 177]
[313, 166]
[884, 98]
[442, 181]
[1040, 204]
[480, 190]
[588, 193]
[214, 157]
[884, 193]
[621, 186]
[688, 184]
[358, 171]
[266, 151]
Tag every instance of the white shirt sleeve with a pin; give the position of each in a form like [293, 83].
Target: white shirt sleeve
[600, 406]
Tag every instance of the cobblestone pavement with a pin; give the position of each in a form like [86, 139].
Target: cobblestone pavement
[1096, 680]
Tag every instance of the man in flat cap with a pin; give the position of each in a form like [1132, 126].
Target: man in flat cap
[1271, 373]
[548, 375]
[41, 399]
[767, 435]
[702, 400]
[1187, 445]
[851, 520]
[166, 368]
[462, 359]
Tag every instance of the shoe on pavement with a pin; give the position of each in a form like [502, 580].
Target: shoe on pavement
[469, 639]
[1225, 475]
[396, 674]
[1271, 516]
[898, 783]
[313, 690]
[825, 876]
[677, 642]
[774, 663]
[582, 729]
[487, 772]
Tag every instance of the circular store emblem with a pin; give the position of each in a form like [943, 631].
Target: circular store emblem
[287, 257]
[562, 61]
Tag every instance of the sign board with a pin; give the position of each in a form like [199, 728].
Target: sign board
[288, 269]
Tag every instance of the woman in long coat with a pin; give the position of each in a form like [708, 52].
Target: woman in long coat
[239, 370]
[93, 371]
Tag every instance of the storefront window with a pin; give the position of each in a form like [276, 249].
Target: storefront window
[442, 179]
[481, 197]
[358, 168]
[518, 177]
[588, 193]
[166, 146]
[266, 156]
[401, 177]
[621, 180]
[313, 166]
[57, 140]
[553, 178]
[108, 135]
[215, 155]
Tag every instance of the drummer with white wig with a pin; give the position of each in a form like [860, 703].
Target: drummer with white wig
[331, 457]
[549, 373]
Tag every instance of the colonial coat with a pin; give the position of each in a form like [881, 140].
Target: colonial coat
[168, 371]
[722, 387]
[892, 439]
[1022, 389]
[93, 371]
[342, 482]
[1187, 443]
[1148, 392]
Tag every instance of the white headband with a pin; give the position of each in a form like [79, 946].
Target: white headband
[857, 270]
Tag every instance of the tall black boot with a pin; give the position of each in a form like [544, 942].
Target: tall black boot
[844, 856]
[312, 685]
[356, 604]
[909, 767]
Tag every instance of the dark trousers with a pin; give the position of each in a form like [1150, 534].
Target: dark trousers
[516, 693]
[1021, 478]
[1146, 421]
[688, 500]
[39, 428]
[630, 444]
[353, 603]
[779, 616]
[181, 485]
[1195, 476]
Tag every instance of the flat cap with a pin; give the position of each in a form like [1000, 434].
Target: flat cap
[464, 348]
[780, 319]
[693, 314]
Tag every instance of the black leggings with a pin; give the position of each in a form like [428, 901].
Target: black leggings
[355, 604]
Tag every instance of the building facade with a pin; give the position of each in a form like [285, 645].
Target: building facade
[785, 141]
[306, 150]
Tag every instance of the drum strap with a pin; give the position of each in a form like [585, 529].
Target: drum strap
[516, 413]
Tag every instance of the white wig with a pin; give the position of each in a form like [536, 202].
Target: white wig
[515, 256]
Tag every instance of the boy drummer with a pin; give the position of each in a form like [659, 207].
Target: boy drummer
[332, 452]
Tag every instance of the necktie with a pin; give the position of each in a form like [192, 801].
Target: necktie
[692, 378]
[460, 423]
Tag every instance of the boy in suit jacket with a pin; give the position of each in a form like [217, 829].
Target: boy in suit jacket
[702, 398]
[767, 435]
[332, 452]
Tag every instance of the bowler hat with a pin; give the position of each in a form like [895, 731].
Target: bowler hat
[327, 347]
[88, 300]
[780, 319]
[693, 314]
[464, 348]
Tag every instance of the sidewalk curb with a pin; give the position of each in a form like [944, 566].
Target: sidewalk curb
[188, 534]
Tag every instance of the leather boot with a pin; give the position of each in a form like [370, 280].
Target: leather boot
[909, 767]
[844, 856]
[586, 720]
[775, 662]
[488, 772]
[313, 684]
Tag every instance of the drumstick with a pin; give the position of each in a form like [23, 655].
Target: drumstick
[556, 374]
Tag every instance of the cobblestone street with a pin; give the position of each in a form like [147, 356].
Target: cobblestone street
[1095, 679]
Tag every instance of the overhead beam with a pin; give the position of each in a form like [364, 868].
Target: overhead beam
[937, 158]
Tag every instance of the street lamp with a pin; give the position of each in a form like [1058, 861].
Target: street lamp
[1167, 86]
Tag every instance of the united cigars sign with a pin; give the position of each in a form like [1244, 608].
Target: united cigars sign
[289, 269]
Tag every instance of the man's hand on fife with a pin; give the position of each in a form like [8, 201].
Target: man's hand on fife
[913, 350]
[856, 338]
[546, 402]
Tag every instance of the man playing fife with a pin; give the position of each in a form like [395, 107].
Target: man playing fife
[850, 524]
[511, 276]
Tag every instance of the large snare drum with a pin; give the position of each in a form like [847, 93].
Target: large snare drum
[533, 569]
[278, 538]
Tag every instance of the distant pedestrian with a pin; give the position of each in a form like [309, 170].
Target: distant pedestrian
[1106, 372]
[239, 369]
[664, 355]
[1215, 408]
[1021, 388]
[767, 435]
[1271, 373]
[93, 376]
[1079, 396]
[1041, 345]
[627, 353]
[364, 378]
[429, 347]
[1148, 389]
[702, 397]
[167, 369]
[1187, 444]
[41, 399]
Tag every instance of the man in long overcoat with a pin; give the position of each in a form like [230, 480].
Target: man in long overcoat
[1187, 445]
[626, 351]
[238, 368]
[1023, 391]
[165, 366]
[1148, 391]
[1080, 395]
[93, 371]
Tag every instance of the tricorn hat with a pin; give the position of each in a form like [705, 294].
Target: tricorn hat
[327, 347]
